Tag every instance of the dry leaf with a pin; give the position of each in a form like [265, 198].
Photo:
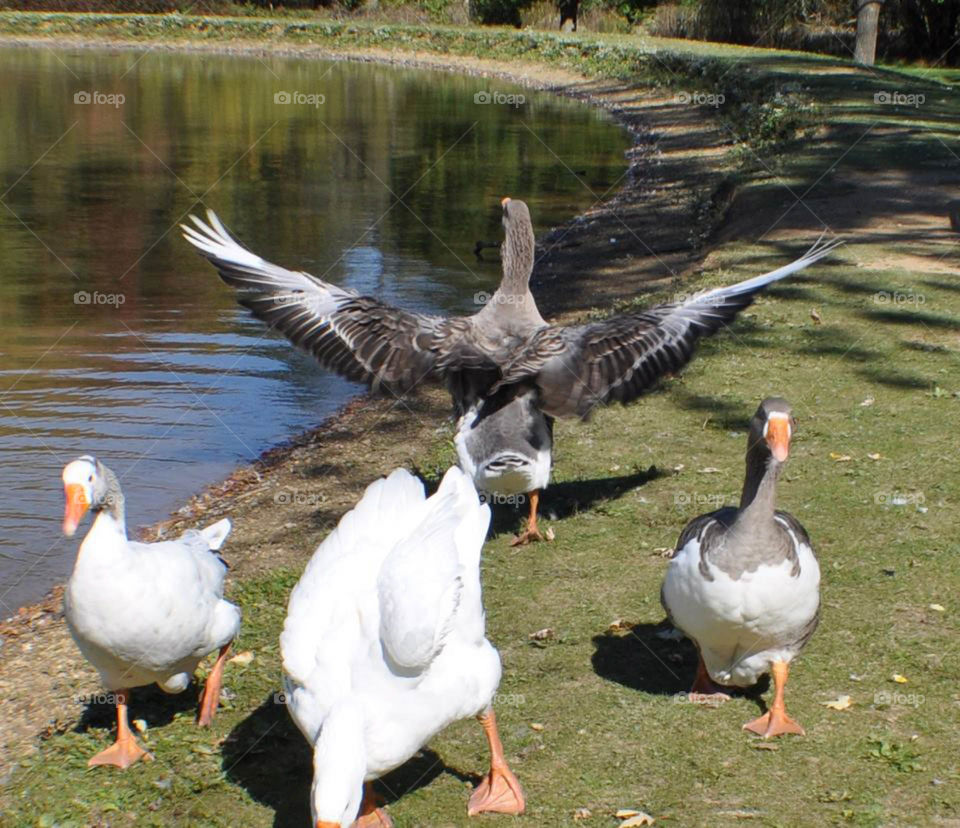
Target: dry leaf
[243, 659]
[550, 534]
[708, 470]
[875, 455]
[839, 703]
[815, 316]
[679, 467]
[626, 813]
[938, 608]
[638, 820]
[582, 813]
[867, 402]
[140, 725]
[542, 635]
[899, 679]
[536, 726]
[764, 746]
[840, 458]
[663, 551]
[620, 625]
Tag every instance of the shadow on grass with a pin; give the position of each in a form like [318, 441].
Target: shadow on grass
[643, 660]
[149, 703]
[267, 756]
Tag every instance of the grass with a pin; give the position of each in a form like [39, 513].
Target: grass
[876, 390]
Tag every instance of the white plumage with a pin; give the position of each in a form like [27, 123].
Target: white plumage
[384, 641]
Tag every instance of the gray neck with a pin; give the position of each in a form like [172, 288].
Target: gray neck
[111, 503]
[517, 252]
[759, 496]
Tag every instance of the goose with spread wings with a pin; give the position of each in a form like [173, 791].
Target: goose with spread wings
[508, 371]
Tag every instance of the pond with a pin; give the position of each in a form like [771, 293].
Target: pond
[119, 341]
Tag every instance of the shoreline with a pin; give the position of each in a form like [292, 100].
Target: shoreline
[560, 82]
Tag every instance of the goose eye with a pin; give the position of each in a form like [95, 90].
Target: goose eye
[90, 479]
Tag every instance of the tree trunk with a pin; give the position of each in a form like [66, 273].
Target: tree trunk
[868, 17]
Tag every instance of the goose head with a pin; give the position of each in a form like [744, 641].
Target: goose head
[519, 243]
[339, 768]
[771, 430]
[86, 485]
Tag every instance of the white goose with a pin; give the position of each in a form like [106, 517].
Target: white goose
[143, 612]
[384, 645]
[744, 584]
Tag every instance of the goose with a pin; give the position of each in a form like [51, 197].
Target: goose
[143, 612]
[384, 645]
[744, 583]
[504, 360]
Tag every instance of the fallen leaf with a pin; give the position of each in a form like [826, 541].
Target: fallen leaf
[542, 635]
[140, 725]
[875, 455]
[867, 402]
[708, 470]
[582, 813]
[840, 458]
[938, 608]
[839, 703]
[899, 679]
[243, 659]
[638, 820]
[663, 551]
[626, 813]
[764, 746]
[815, 316]
[679, 467]
[620, 625]
[550, 534]
[536, 726]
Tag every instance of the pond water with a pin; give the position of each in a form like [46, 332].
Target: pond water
[118, 340]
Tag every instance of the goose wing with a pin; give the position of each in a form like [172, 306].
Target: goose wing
[618, 359]
[358, 337]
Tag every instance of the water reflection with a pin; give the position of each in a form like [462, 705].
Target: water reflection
[116, 339]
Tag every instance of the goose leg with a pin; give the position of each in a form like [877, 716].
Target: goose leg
[704, 689]
[371, 814]
[775, 721]
[499, 791]
[532, 533]
[211, 689]
[125, 751]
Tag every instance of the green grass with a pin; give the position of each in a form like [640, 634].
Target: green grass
[878, 377]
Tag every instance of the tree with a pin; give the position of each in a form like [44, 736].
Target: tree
[868, 18]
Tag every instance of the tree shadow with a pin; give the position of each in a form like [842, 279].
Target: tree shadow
[149, 703]
[267, 756]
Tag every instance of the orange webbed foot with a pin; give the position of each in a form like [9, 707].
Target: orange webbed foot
[499, 792]
[121, 754]
[774, 722]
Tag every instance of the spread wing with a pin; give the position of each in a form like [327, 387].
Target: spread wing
[577, 368]
[358, 337]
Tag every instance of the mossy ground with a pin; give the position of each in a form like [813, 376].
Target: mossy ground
[866, 348]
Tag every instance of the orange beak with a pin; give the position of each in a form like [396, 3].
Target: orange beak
[76, 508]
[778, 437]
[505, 201]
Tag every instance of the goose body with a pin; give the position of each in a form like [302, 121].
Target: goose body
[143, 613]
[384, 643]
[744, 583]
[506, 348]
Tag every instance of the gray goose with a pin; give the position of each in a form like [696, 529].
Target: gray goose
[507, 370]
[744, 583]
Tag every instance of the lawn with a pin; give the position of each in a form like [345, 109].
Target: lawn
[592, 714]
